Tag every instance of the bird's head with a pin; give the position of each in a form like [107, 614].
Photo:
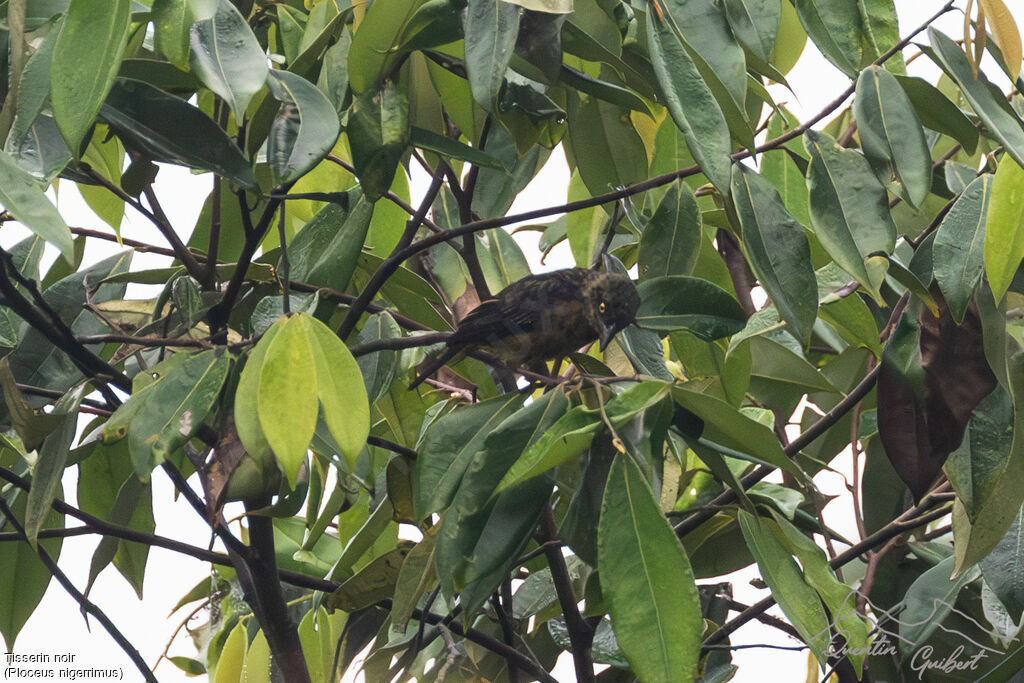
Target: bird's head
[612, 302]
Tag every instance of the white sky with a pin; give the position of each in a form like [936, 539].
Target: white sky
[57, 626]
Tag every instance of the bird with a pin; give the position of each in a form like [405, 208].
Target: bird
[545, 317]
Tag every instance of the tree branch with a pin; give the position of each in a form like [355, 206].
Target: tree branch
[86, 605]
[46, 321]
[389, 265]
[581, 633]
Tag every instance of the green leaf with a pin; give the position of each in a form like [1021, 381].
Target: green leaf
[152, 121]
[573, 432]
[246, 406]
[378, 368]
[175, 407]
[849, 210]
[609, 92]
[799, 602]
[305, 129]
[890, 133]
[929, 599]
[958, 251]
[604, 146]
[881, 32]
[838, 597]
[679, 302]
[491, 27]
[992, 109]
[227, 57]
[482, 534]
[101, 478]
[20, 195]
[670, 243]
[23, 576]
[777, 250]
[701, 119]
[85, 61]
[37, 361]
[370, 53]
[172, 20]
[638, 555]
[1004, 227]
[49, 468]
[994, 513]
[326, 250]
[34, 91]
[429, 140]
[1003, 567]
[449, 445]
[755, 23]
[378, 131]
[340, 387]
[288, 393]
[936, 111]
[725, 425]
[836, 29]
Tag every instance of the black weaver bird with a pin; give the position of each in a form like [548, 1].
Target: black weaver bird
[545, 317]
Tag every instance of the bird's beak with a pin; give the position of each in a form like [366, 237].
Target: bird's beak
[606, 333]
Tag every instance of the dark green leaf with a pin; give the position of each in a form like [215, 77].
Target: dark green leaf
[755, 23]
[609, 92]
[890, 133]
[378, 131]
[777, 250]
[701, 119]
[604, 145]
[836, 29]
[725, 425]
[449, 445]
[227, 57]
[23, 576]
[85, 60]
[37, 361]
[429, 140]
[305, 129]
[849, 210]
[957, 253]
[670, 243]
[929, 599]
[325, 251]
[491, 27]
[993, 111]
[638, 555]
[679, 302]
[937, 112]
[152, 121]
[49, 468]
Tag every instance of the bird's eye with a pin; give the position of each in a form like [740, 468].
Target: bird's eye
[601, 307]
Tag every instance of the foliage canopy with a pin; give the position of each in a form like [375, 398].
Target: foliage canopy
[859, 270]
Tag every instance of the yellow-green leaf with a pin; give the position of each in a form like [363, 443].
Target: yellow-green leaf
[340, 388]
[1004, 226]
[287, 395]
[1006, 33]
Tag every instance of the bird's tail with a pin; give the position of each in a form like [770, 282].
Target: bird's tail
[433, 366]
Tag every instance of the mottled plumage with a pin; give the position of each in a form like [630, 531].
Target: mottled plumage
[545, 317]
